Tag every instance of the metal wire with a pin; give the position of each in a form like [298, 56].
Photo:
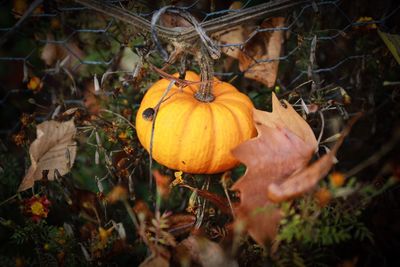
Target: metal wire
[95, 46]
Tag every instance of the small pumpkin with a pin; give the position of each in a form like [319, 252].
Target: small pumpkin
[191, 135]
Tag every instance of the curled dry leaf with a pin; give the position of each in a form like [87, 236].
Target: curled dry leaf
[277, 168]
[255, 61]
[258, 53]
[203, 252]
[54, 150]
[305, 179]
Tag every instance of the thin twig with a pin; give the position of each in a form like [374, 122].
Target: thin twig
[189, 35]
[321, 133]
[131, 213]
[386, 148]
[229, 201]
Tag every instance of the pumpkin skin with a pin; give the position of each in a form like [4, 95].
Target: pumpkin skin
[194, 136]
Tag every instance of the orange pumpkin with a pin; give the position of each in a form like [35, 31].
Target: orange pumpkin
[191, 135]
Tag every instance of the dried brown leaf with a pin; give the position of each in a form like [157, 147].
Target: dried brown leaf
[284, 145]
[254, 53]
[286, 117]
[274, 154]
[263, 47]
[304, 180]
[236, 36]
[277, 168]
[54, 149]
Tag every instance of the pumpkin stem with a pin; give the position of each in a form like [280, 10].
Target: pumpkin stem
[205, 92]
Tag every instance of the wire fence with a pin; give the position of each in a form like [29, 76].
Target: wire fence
[65, 44]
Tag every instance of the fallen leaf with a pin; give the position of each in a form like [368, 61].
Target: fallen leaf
[288, 118]
[258, 53]
[261, 48]
[205, 252]
[236, 37]
[275, 153]
[54, 149]
[305, 179]
[277, 168]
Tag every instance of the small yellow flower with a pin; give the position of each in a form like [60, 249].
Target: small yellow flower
[37, 208]
[337, 179]
[19, 262]
[104, 234]
[366, 25]
[35, 84]
[55, 24]
[123, 135]
[323, 196]
[117, 193]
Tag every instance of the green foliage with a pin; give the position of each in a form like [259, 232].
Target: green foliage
[310, 224]
[307, 226]
[322, 226]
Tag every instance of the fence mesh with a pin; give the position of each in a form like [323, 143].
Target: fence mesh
[328, 58]
[327, 46]
[69, 43]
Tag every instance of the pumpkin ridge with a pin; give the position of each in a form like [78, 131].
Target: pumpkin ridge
[212, 126]
[188, 113]
[235, 119]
